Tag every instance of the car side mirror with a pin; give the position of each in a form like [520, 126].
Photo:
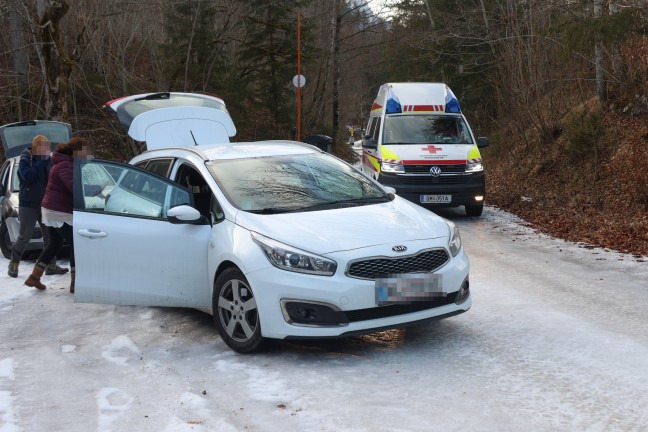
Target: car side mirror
[391, 192]
[482, 142]
[184, 214]
[368, 142]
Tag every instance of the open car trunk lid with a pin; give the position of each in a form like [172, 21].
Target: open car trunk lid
[174, 119]
[16, 137]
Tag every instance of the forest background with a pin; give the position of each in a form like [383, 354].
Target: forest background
[560, 87]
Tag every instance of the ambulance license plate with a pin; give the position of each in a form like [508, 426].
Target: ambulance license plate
[429, 199]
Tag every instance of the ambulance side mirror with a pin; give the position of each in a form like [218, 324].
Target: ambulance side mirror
[482, 142]
[368, 142]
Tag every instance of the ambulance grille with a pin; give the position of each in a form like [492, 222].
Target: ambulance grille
[426, 261]
[425, 169]
[434, 180]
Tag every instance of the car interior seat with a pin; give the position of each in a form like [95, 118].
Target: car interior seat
[200, 190]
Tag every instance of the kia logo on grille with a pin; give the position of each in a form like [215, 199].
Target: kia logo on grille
[399, 248]
[435, 171]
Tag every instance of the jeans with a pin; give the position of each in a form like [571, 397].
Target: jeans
[56, 237]
[28, 217]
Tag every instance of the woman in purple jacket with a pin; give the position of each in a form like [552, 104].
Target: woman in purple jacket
[57, 207]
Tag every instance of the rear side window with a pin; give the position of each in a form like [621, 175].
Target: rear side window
[157, 166]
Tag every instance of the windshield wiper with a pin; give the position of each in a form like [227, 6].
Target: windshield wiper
[355, 201]
[271, 210]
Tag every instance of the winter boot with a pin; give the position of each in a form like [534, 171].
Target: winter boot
[34, 279]
[72, 276]
[13, 269]
[55, 269]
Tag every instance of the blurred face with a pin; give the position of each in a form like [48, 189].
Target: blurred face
[41, 148]
[82, 153]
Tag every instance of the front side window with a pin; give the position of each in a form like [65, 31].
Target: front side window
[15, 182]
[425, 129]
[125, 190]
[293, 183]
[4, 178]
[376, 132]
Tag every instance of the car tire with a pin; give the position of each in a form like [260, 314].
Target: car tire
[235, 312]
[474, 210]
[5, 240]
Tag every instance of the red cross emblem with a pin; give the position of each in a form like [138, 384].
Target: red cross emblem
[431, 149]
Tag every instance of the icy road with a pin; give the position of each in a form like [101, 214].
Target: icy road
[556, 340]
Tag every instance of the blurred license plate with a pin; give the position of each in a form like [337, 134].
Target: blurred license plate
[407, 288]
[436, 198]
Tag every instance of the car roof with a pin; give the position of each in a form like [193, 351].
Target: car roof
[236, 150]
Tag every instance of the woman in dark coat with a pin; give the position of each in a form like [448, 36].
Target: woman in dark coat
[57, 207]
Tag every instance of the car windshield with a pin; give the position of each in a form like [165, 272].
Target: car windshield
[426, 129]
[293, 183]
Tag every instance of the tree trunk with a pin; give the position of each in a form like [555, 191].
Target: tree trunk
[18, 58]
[336, 68]
[57, 66]
[601, 88]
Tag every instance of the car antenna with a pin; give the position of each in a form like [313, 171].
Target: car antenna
[194, 138]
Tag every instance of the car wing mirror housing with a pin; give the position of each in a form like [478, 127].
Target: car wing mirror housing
[482, 142]
[368, 142]
[391, 192]
[184, 214]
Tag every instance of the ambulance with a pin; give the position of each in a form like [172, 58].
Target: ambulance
[418, 142]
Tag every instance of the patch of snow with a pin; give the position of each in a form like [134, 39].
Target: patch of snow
[121, 350]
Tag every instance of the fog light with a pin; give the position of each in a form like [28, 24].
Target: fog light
[479, 198]
[311, 313]
[464, 293]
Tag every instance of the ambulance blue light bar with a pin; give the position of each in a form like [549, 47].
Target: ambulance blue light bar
[452, 103]
[393, 105]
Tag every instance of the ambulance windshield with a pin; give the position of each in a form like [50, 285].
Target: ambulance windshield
[425, 129]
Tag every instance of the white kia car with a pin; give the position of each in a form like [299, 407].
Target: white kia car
[277, 239]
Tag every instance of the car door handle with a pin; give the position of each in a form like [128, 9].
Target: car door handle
[92, 233]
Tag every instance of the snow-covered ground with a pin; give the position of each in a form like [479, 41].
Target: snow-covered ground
[557, 340]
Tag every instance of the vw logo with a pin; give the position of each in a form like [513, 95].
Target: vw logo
[435, 171]
[399, 248]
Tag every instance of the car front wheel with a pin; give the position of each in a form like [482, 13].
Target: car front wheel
[5, 240]
[235, 312]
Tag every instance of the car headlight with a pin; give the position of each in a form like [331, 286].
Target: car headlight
[454, 241]
[292, 259]
[474, 165]
[392, 167]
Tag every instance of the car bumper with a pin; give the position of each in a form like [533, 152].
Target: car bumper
[462, 193]
[355, 299]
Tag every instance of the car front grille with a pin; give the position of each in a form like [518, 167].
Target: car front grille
[425, 261]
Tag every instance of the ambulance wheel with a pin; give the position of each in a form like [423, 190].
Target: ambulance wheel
[474, 210]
